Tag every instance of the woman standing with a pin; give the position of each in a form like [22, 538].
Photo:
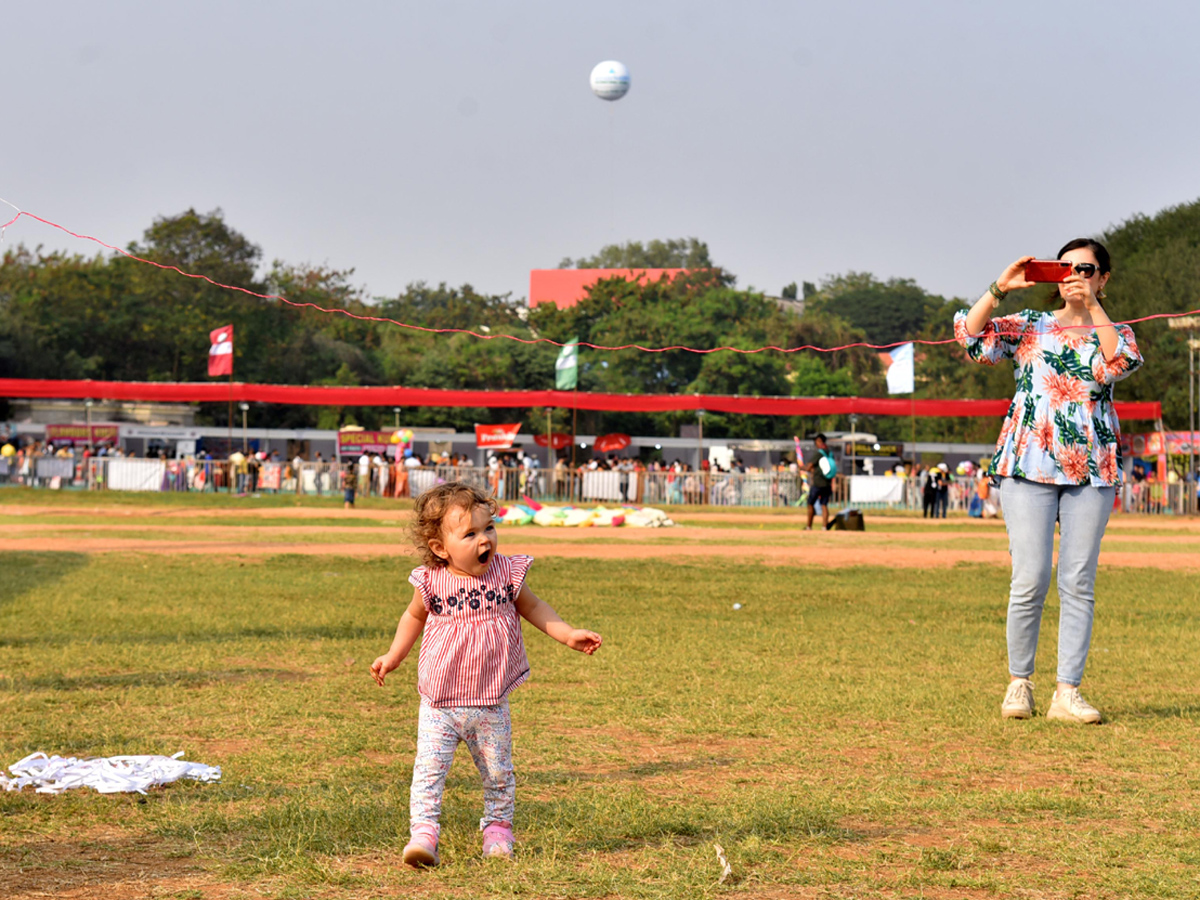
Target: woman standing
[1058, 459]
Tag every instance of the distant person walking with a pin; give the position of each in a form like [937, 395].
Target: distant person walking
[820, 482]
[1058, 459]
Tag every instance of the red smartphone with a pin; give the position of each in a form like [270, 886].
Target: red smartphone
[1049, 270]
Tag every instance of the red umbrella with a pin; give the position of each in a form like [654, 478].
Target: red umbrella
[609, 442]
[560, 440]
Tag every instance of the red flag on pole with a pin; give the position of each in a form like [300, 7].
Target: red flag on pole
[220, 354]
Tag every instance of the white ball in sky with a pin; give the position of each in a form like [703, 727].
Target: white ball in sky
[610, 80]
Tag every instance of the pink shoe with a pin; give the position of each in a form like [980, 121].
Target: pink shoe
[421, 850]
[498, 841]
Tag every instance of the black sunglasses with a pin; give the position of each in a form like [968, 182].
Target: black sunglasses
[1087, 270]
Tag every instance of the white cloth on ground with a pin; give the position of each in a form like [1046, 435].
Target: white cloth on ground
[108, 775]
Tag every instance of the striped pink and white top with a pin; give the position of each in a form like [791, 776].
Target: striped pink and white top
[472, 653]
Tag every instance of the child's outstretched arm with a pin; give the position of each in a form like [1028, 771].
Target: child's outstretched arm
[407, 632]
[543, 617]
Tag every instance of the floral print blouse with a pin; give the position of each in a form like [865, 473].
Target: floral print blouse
[1061, 427]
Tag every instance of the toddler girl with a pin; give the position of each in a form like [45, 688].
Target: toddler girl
[468, 603]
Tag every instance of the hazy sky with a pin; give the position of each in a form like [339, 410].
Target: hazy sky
[459, 142]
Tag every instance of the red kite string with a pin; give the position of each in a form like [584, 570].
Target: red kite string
[512, 337]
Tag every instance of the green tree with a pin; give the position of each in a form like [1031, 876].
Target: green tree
[55, 316]
[677, 253]
[1156, 269]
[853, 371]
[810, 377]
[698, 311]
[108, 317]
[887, 311]
[459, 361]
[943, 371]
[169, 316]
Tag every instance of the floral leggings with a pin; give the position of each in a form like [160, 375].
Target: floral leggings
[487, 732]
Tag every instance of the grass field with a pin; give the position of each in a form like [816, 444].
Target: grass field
[839, 735]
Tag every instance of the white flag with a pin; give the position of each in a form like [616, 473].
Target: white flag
[900, 378]
[566, 367]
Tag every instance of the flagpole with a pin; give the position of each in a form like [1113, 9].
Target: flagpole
[913, 416]
[570, 351]
[574, 423]
[549, 446]
[229, 469]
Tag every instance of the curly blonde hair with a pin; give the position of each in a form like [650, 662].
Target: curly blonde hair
[431, 509]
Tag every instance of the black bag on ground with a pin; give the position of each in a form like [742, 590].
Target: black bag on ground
[847, 520]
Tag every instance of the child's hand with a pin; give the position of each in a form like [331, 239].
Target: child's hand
[380, 668]
[582, 640]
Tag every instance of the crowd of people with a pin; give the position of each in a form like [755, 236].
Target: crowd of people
[1149, 493]
[936, 488]
[971, 486]
[19, 459]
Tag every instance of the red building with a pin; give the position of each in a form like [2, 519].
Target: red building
[566, 287]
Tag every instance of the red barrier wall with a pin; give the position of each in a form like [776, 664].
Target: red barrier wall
[216, 392]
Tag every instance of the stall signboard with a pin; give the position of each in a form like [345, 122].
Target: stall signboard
[874, 449]
[271, 476]
[78, 434]
[350, 442]
[496, 437]
[1151, 443]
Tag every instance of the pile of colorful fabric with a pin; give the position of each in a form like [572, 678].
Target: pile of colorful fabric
[530, 512]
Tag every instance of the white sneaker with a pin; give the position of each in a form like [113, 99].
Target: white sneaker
[1018, 700]
[1071, 707]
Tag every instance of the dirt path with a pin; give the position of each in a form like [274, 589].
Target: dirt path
[878, 523]
[235, 533]
[701, 535]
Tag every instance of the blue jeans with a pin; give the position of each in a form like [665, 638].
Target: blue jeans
[1030, 511]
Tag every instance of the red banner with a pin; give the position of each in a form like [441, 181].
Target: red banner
[309, 395]
[607, 443]
[496, 437]
[560, 440]
[78, 434]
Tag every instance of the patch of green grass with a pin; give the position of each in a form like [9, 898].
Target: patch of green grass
[48, 521]
[183, 500]
[838, 734]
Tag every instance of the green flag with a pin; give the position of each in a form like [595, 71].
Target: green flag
[566, 367]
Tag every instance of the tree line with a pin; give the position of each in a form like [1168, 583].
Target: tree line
[108, 317]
